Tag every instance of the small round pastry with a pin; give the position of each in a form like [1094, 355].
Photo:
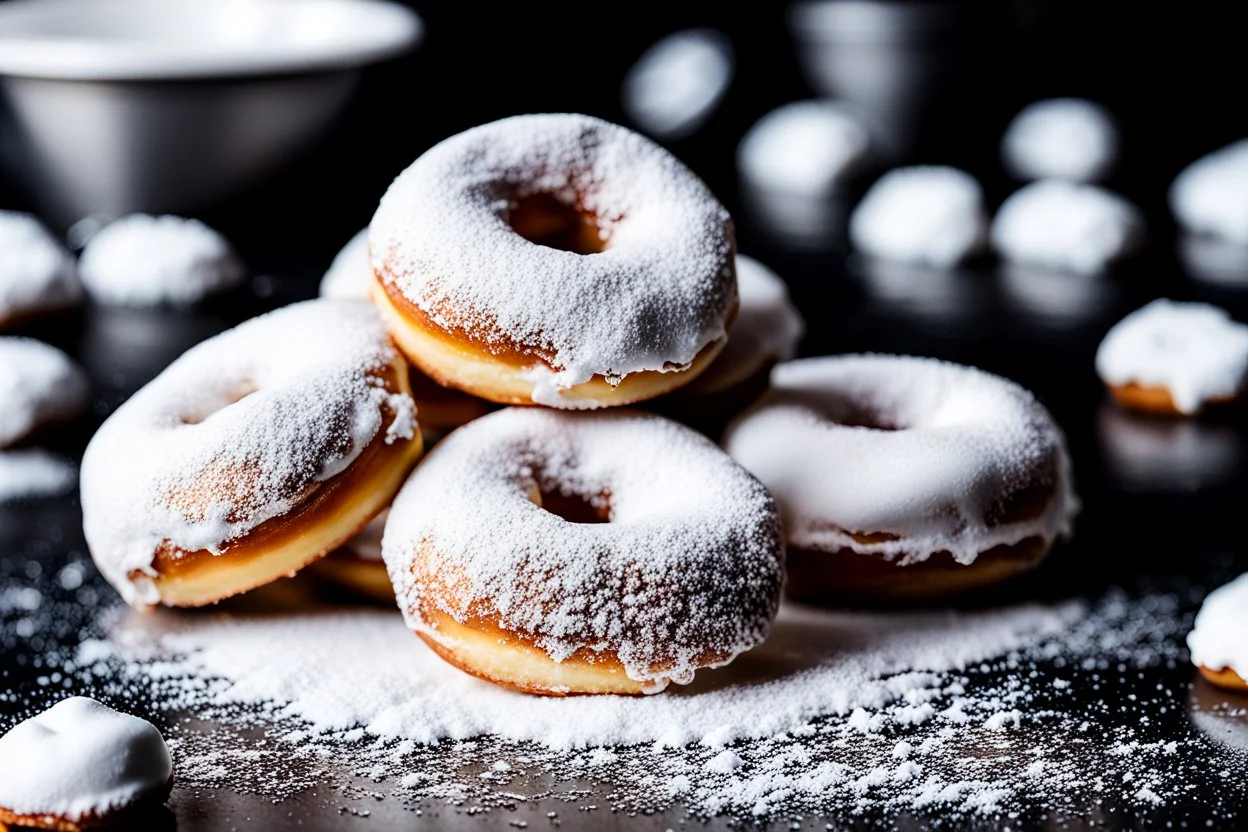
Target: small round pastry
[37, 274]
[560, 553]
[806, 147]
[1210, 196]
[32, 473]
[1066, 226]
[556, 259]
[1174, 358]
[82, 765]
[1061, 138]
[1219, 640]
[144, 260]
[350, 275]
[255, 453]
[39, 386]
[926, 215]
[903, 479]
[766, 331]
[357, 565]
[677, 83]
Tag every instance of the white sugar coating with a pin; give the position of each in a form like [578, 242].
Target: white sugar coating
[33, 472]
[36, 272]
[927, 215]
[1061, 138]
[349, 275]
[79, 760]
[1194, 350]
[39, 385]
[236, 431]
[1066, 226]
[691, 561]
[677, 83]
[145, 260]
[806, 147]
[1219, 640]
[1210, 196]
[914, 447]
[656, 295]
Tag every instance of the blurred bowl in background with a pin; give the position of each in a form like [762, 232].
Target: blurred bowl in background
[120, 106]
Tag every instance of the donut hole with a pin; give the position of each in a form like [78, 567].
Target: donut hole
[545, 220]
[232, 397]
[576, 508]
[844, 411]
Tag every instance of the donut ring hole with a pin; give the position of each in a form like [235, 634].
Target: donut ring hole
[572, 506]
[844, 411]
[231, 397]
[546, 220]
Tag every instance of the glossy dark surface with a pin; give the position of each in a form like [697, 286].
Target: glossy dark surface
[1163, 499]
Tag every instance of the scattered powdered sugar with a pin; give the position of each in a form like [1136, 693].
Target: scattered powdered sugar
[349, 275]
[235, 432]
[913, 447]
[81, 759]
[928, 215]
[807, 147]
[690, 563]
[1194, 350]
[1066, 226]
[1218, 640]
[144, 260]
[39, 385]
[677, 83]
[651, 300]
[32, 472]
[1210, 196]
[36, 272]
[1061, 138]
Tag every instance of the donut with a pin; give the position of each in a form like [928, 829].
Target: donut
[675, 86]
[441, 409]
[37, 274]
[807, 148]
[255, 453]
[554, 259]
[905, 479]
[1210, 196]
[929, 215]
[1061, 138]
[1219, 640]
[1066, 226]
[766, 331]
[1174, 358]
[562, 553]
[143, 260]
[357, 565]
[32, 473]
[40, 386]
[82, 765]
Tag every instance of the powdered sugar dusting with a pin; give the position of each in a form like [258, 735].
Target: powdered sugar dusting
[236, 431]
[1218, 641]
[921, 449]
[1061, 138]
[651, 300]
[349, 275]
[32, 472]
[1210, 196]
[36, 272]
[39, 385]
[930, 214]
[689, 564]
[1194, 350]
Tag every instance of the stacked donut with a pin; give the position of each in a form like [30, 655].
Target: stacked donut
[533, 282]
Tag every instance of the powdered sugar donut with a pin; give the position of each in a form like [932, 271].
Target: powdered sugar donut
[144, 260]
[566, 553]
[927, 215]
[902, 478]
[253, 454]
[1210, 196]
[677, 83]
[39, 386]
[350, 275]
[36, 272]
[806, 147]
[31, 473]
[1067, 226]
[557, 259]
[766, 331]
[1061, 138]
[81, 765]
[1218, 643]
[1169, 357]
